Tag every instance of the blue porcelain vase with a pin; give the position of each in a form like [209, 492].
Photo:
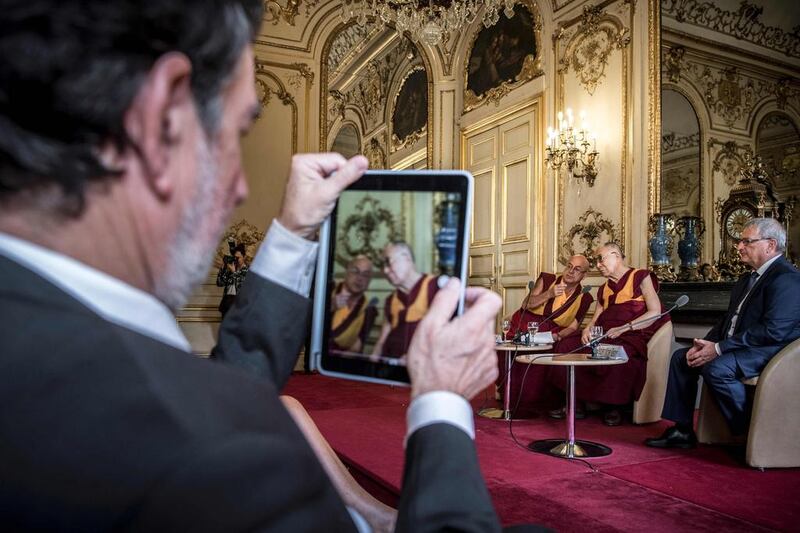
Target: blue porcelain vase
[447, 237]
[691, 229]
[660, 243]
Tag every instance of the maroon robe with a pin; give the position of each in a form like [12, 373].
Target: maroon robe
[404, 312]
[622, 302]
[533, 380]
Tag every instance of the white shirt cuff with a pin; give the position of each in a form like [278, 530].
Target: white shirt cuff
[286, 259]
[717, 348]
[440, 407]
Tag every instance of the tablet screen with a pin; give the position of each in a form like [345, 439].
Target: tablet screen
[393, 241]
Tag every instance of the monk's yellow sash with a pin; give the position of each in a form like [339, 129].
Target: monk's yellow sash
[416, 310]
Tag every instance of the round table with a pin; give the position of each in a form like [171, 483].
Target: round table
[511, 350]
[569, 448]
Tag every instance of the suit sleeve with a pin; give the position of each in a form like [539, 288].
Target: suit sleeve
[443, 489]
[264, 330]
[245, 482]
[780, 318]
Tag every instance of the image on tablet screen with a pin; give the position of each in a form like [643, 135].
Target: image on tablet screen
[393, 251]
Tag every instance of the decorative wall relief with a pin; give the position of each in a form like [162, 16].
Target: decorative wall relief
[345, 45]
[365, 231]
[243, 232]
[590, 231]
[274, 10]
[587, 54]
[729, 160]
[376, 154]
[743, 23]
[269, 85]
[503, 57]
[304, 73]
[672, 62]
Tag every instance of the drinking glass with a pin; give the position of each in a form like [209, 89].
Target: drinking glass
[596, 332]
[533, 329]
[506, 328]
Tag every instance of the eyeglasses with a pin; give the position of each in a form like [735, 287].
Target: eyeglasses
[751, 241]
[571, 268]
[602, 258]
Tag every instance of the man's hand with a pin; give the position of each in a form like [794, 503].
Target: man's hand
[341, 299]
[315, 182]
[231, 267]
[586, 334]
[701, 352]
[613, 333]
[455, 355]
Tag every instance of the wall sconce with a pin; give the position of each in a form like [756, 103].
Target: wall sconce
[568, 148]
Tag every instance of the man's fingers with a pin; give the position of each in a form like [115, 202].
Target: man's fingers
[324, 163]
[444, 304]
[484, 305]
[351, 171]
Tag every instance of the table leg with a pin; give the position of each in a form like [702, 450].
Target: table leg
[505, 412]
[570, 448]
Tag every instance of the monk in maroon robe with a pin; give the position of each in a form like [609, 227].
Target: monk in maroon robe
[624, 304]
[558, 304]
[407, 305]
[352, 317]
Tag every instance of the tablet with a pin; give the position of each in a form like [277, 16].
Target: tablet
[393, 240]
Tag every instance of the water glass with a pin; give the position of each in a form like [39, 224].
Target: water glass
[533, 329]
[506, 328]
[596, 332]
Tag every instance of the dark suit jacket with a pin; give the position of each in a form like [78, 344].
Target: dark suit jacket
[102, 428]
[769, 319]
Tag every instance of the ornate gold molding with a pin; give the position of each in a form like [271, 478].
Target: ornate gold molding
[532, 66]
[587, 53]
[729, 160]
[413, 137]
[742, 24]
[376, 154]
[242, 232]
[589, 231]
[654, 107]
[264, 79]
[673, 62]
[274, 11]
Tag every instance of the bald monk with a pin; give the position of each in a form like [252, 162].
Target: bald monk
[559, 299]
[405, 307]
[352, 315]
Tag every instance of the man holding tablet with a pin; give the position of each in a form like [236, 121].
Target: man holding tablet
[111, 211]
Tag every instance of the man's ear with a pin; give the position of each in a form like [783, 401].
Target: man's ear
[160, 118]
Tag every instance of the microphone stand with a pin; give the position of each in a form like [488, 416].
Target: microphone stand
[594, 342]
[522, 309]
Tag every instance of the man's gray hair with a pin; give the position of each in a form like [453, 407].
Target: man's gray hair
[769, 228]
[615, 247]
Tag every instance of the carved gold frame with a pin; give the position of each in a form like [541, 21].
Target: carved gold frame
[532, 68]
[626, 76]
[654, 111]
[411, 139]
[323, 93]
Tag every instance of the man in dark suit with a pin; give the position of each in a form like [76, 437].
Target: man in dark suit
[119, 167]
[762, 318]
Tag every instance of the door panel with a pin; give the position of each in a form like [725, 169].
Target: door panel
[501, 255]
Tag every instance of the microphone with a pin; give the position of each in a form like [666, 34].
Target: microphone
[524, 306]
[680, 302]
[568, 302]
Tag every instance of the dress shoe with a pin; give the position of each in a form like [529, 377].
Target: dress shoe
[612, 418]
[561, 413]
[674, 437]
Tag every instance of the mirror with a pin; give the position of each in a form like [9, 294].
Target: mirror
[730, 89]
[778, 144]
[376, 97]
[680, 156]
[346, 141]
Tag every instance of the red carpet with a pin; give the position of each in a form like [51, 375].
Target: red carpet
[635, 488]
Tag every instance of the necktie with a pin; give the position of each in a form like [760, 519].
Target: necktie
[750, 282]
